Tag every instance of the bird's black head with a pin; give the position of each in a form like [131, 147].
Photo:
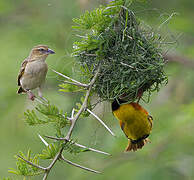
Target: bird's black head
[116, 104]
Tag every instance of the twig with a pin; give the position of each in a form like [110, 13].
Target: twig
[32, 164]
[68, 118]
[168, 19]
[124, 64]
[83, 107]
[91, 55]
[76, 82]
[79, 145]
[47, 170]
[109, 130]
[79, 166]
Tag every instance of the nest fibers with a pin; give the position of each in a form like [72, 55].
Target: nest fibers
[128, 54]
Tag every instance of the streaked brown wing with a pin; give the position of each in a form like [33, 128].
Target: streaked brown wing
[23, 66]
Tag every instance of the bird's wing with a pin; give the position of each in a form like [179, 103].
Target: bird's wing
[22, 69]
[150, 119]
[122, 125]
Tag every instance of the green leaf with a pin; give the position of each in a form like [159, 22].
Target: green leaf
[51, 151]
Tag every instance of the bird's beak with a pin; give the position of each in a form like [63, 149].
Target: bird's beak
[50, 51]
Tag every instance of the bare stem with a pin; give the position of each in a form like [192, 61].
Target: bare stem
[83, 107]
[94, 55]
[79, 145]
[124, 64]
[109, 130]
[32, 164]
[47, 170]
[45, 176]
[73, 80]
[79, 166]
[80, 85]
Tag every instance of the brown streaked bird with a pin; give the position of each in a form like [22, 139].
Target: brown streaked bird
[33, 71]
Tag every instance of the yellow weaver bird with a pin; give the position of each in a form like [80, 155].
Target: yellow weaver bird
[135, 123]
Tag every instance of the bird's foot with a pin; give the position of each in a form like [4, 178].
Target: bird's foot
[31, 96]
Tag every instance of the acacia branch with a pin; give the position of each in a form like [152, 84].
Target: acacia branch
[77, 83]
[83, 107]
[58, 156]
[79, 145]
[32, 164]
[73, 119]
[80, 85]
[79, 166]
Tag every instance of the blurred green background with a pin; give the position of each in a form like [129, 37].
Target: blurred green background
[24, 24]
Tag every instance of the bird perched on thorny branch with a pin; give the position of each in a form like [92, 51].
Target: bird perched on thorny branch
[33, 71]
[135, 123]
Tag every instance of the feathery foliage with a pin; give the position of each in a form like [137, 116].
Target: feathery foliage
[25, 169]
[50, 114]
[50, 151]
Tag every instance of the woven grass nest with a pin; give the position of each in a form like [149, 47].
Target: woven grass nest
[129, 55]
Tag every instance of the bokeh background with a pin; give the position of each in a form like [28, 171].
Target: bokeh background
[24, 24]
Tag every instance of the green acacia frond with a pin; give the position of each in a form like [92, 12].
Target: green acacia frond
[25, 169]
[32, 119]
[50, 151]
[50, 113]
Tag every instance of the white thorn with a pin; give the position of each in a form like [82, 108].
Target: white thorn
[109, 130]
[72, 113]
[46, 144]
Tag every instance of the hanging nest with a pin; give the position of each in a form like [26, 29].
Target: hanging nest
[128, 53]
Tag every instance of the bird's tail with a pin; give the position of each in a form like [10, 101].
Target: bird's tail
[134, 146]
[21, 90]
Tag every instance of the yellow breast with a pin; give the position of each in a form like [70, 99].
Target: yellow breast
[134, 120]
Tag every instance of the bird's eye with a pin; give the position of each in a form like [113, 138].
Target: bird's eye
[41, 49]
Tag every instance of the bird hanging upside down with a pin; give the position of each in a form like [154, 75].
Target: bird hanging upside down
[135, 123]
[33, 71]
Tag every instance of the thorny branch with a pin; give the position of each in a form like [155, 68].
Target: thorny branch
[79, 166]
[59, 155]
[79, 145]
[32, 164]
[83, 107]
[77, 83]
